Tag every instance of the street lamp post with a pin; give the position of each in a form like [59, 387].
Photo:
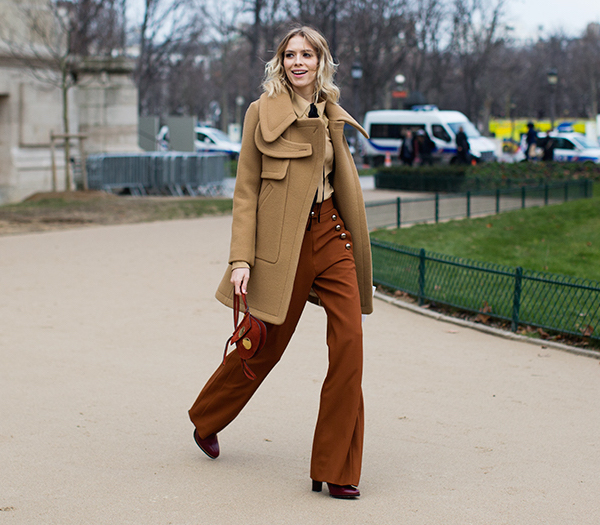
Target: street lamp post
[399, 93]
[236, 130]
[239, 102]
[357, 74]
[552, 77]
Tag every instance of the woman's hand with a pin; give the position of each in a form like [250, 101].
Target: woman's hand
[239, 279]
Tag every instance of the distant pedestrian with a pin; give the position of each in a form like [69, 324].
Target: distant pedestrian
[407, 149]
[424, 148]
[531, 141]
[548, 146]
[462, 146]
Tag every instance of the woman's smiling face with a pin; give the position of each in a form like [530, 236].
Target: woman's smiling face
[301, 63]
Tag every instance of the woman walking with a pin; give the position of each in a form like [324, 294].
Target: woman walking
[299, 233]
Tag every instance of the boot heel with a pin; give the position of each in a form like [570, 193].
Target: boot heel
[317, 486]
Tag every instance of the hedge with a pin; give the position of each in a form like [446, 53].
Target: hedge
[492, 175]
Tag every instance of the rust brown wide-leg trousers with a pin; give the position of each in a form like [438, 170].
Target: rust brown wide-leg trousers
[327, 266]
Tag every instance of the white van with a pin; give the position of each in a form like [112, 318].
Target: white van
[387, 128]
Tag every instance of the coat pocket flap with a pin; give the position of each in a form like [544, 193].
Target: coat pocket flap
[282, 148]
[273, 168]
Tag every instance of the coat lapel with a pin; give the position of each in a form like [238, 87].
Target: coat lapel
[276, 115]
[336, 113]
[282, 148]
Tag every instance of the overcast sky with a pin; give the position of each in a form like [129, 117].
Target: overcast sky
[570, 15]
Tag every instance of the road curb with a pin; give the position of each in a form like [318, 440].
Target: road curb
[486, 329]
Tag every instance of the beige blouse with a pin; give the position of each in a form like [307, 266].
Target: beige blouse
[301, 108]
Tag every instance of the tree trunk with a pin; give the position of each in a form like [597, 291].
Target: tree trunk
[594, 95]
[65, 116]
[141, 65]
[254, 72]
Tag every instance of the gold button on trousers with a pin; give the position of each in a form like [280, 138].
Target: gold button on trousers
[327, 266]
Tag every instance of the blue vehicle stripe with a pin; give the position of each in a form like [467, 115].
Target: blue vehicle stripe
[391, 148]
[381, 148]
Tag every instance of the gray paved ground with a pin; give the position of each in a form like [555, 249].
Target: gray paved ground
[107, 334]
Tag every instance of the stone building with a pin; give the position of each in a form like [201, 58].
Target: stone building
[102, 106]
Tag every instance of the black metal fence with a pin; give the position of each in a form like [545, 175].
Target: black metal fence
[399, 211]
[174, 173]
[523, 297]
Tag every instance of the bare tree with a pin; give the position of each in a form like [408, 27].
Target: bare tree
[267, 18]
[166, 29]
[477, 32]
[457, 53]
[588, 65]
[373, 35]
[97, 26]
[427, 62]
[323, 14]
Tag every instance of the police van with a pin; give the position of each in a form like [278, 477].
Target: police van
[387, 128]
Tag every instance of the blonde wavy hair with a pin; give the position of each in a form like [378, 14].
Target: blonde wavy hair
[275, 80]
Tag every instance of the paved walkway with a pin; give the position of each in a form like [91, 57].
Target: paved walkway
[107, 334]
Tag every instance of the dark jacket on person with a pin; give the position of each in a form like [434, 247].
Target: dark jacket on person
[548, 146]
[531, 137]
[424, 147]
[407, 150]
[463, 146]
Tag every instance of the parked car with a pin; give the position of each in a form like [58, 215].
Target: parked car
[206, 139]
[568, 147]
[575, 147]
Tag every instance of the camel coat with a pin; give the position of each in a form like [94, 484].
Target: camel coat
[280, 166]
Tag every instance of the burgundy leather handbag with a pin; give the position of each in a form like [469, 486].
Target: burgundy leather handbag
[249, 335]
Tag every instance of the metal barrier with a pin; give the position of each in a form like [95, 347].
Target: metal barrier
[401, 211]
[523, 297]
[158, 172]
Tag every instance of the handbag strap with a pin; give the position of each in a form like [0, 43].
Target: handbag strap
[236, 309]
[236, 314]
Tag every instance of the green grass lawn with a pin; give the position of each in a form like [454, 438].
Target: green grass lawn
[563, 239]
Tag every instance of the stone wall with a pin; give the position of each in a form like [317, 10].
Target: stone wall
[29, 110]
[103, 106]
[107, 100]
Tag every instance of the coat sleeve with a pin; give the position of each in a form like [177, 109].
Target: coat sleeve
[245, 196]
